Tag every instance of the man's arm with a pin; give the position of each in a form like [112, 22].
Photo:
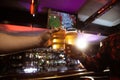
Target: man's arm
[9, 43]
[12, 43]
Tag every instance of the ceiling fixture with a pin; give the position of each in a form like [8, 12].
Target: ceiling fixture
[34, 7]
[98, 13]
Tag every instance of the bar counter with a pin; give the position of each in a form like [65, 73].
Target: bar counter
[46, 64]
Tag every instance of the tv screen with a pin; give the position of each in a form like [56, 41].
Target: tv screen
[61, 19]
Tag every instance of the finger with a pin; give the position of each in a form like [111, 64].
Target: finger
[55, 30]
[50, 32]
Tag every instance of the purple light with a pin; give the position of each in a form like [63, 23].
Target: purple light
[71, 6]
[83, 40]
[25, 5]
[91, 37]
[63, 5]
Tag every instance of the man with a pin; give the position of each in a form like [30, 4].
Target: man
[11, 43]
[107, 56]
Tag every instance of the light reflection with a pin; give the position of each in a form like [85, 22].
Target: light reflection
[30, 70]
[84, 39]
[33, 15]
[54, 46]
[81, 41]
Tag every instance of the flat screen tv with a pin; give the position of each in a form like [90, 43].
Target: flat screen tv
[61, 19]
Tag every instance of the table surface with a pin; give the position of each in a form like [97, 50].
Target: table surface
[46, 75]
[49, 75]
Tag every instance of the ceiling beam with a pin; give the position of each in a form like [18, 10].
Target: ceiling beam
[100, 12]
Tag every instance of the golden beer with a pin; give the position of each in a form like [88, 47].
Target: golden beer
[58, 40]
[70, 39]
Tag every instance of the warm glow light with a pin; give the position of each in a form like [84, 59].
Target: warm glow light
[54, 40]
[55, 46]
[81, 43]
[58, 41]
[32, 8]
[58, 46]
[18, 28]
[69, 41]
[70, 38]
[32, 1]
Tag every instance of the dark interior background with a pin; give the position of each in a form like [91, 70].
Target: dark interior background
[19, 17]
[18, 12]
